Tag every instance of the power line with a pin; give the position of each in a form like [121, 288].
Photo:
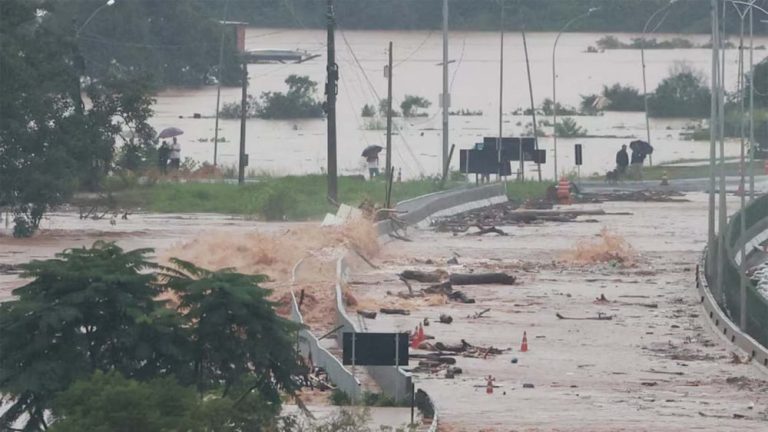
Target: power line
[373, 88]
[414, 51]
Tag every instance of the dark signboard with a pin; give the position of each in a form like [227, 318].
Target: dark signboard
[376, 349]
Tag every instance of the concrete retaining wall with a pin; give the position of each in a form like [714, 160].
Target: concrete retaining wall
[309, 344]
[707, 271]
[418, 210]
[722, 324]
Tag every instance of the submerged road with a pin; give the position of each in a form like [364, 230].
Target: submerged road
[647, 369]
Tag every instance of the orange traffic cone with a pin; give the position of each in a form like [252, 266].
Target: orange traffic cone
[417, 340]
[421, 332]
[524, 345]
[489, 386]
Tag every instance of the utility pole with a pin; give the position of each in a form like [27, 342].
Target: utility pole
[533, 107]
[713, 123]
[242, 162]
[723, 210]
[751, 107]
[446, 99]
[331, 89]
[389, 116]
[218, 85]
[501, 92]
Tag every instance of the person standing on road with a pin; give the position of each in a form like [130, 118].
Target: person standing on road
[622, 161]
[175, 154]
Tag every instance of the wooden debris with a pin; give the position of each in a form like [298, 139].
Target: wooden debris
[488, 230]
[367, 314]
[482, 278]
[480, 314]
[405, 281]
[600, 317]
[424, 277]
[393, 311]
[364, 258]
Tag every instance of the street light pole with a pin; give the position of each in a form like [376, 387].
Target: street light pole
[713, 123]
[78, 60]
[645, 85]
[446, 99]
[554, 81]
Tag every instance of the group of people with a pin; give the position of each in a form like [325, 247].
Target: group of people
[169, 156]
[631, 167]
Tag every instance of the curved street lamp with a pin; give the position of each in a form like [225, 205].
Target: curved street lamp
[642, 59]
[98, 9]
[554, 80]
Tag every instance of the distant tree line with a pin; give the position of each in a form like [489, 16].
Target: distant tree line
[686, 16]
[176, 43]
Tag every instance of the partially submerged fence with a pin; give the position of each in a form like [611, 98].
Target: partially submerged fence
[726, 310]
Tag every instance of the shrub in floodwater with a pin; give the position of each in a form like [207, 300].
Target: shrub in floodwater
[568, 128]
[368, 111]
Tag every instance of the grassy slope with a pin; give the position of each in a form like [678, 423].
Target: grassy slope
[296, 197]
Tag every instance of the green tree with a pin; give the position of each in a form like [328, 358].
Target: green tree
[683, 94]
[86, 310]
[239, 344]
[49, 147]
[412, 103]
[623, 98]
[383, 105]
[108, 402]
[298, 102]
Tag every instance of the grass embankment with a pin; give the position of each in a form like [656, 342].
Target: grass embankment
[276, 198]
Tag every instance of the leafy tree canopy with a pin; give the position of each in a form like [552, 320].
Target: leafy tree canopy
[682, 94]
[96, 309]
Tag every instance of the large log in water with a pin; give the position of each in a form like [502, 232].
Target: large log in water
[482, 279]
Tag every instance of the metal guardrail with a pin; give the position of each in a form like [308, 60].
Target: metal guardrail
[723, 302]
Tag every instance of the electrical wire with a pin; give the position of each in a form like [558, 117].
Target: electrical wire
[373, 88]
[418, 48]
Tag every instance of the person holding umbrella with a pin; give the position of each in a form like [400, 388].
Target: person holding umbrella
[640, 150]
[175, 155]
[175, 149]
[371, 155]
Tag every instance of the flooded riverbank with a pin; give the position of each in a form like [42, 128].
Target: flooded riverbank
[298, 147]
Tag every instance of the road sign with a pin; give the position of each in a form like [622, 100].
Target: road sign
[375, 349]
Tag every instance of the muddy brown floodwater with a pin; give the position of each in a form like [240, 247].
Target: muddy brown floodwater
[647, 369]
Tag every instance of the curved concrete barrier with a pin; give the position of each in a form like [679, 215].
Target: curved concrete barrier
[722, 303]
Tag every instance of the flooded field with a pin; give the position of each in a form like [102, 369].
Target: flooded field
[295, 147]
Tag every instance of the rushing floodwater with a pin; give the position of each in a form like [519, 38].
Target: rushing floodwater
[295, 147]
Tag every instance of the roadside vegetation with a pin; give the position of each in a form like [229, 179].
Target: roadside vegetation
[98, 350]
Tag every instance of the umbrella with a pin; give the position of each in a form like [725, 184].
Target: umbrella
[372, 151]
[170, 132]
[641, 146]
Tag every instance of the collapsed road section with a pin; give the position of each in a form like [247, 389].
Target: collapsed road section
[592, 327]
